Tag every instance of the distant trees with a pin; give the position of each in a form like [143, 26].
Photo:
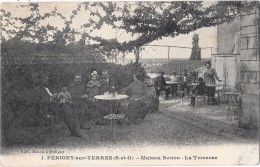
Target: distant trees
[196, 50]
[15, 47]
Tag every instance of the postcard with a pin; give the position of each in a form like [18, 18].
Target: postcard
[129, 83]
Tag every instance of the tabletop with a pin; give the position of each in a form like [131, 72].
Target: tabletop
[111, 97]
[233, 93]
[193, 84]
[216, 85]
[172, 82]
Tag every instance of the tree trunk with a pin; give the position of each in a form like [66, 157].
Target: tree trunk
[137, 54]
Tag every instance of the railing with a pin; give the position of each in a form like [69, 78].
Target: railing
[176, 66]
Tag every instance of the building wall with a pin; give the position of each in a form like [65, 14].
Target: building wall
[249, 67]
[240, 39]
[227, 69]
[227, 35]
[226, 57]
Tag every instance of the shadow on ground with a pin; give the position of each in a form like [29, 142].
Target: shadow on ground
[177, 123]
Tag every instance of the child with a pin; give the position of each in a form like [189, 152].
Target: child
[64, 96]
[93, 85]
[198, 90]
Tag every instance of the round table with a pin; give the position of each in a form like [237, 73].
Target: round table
[111, 97]
[193, 84]
[172, 82]
[112, 115]
[215, 85]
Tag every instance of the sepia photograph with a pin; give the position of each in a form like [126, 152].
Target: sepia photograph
[129, 83]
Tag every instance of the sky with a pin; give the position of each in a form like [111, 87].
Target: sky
[206, 39]
[206, 35]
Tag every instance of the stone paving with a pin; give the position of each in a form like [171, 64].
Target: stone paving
[222, 118]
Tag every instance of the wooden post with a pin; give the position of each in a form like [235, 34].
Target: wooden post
[168, 60]
[123, 58]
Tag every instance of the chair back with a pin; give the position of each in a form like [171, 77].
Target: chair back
[149, 81]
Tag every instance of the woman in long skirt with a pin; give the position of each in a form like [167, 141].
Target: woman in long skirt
[210, 77]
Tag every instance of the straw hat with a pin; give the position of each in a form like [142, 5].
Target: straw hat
[94, 73]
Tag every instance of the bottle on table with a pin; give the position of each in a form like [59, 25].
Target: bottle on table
[113, 90]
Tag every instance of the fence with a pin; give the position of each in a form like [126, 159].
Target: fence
[177, 66]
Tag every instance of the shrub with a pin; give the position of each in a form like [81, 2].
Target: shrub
[18, 84]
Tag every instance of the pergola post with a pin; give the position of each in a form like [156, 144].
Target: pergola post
[168, 60]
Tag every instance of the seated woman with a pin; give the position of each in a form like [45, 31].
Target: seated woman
[137, 107]
[198, 90]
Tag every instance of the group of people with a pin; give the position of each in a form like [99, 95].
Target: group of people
[181, 82]
[205, 84]
[73, 99]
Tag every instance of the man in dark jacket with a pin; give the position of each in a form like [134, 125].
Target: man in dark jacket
[45, 104]
[160, 84]
[107, 82]
[77, 90]
[185, 81]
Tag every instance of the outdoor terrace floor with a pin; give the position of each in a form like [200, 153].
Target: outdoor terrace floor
[176, 124]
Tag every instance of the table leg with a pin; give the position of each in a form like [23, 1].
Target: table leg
[236, 100]
[113, 122]
[111, 108]
[218, 97]
[233, 116]
[228, 112]
[114, 131]
[232, 100]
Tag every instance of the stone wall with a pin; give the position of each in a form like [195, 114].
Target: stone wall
[240, 39]
[249, 67]
[226, 36]
[227, 53]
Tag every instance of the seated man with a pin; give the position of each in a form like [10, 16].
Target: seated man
[160, 84]
[198, 90]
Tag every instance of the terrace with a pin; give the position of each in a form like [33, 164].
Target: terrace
[176, 123]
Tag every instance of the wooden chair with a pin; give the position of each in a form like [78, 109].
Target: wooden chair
[233, 103]
[219, 91]
[198, 97]
[149, 81]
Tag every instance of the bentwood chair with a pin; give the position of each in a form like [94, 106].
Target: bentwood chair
[233, 103]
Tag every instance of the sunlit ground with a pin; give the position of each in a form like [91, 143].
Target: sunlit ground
[177, 124]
